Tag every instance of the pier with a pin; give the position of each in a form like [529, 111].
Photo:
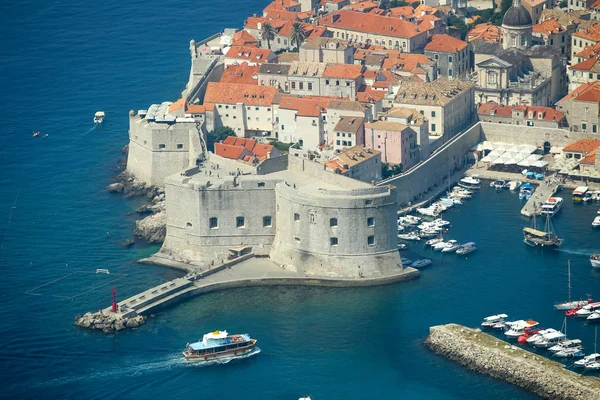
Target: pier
[488, 355]
[544, 191]
[244, 271]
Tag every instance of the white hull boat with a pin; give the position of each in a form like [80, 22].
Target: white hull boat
[587, 310]
[466, 249]
[514, 185]
[552, 206]
[570, 353]
[592, 358]
[493, 320]
[470, 183]
[595, 260]
[433, 242]
[570, 305]
[408, 236]
[409, 220]
[540, 336]
[451, 249]
[517, 328]
[593, 367]
[596, 222]
[594, 317]
[566, 345]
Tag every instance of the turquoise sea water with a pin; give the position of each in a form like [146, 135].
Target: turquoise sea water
[62, 61]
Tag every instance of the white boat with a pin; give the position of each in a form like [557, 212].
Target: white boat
[409, 220]
[498, 185]
[564, 345]
[592, 358]
[550, 339]
[99, 117]
[517, 328]
[466, 248]
[594, 317]
[428, 233]
[595, 260]
[570, 353]
[580, 193]
[409, 236]
[540, 336]
[451, 249]
[429, 211]
[433, 242]
[552, 205]
[570, 305]
[514, 185]
[492, 320]
[593, 366]
[526, 191]
[217, 345]
[587, 310]
[469, 182]
[596, 222]
[445, 245]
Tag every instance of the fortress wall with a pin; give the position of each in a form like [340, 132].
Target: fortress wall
[318, 170]
[304, 244]
[531, 135]
[434, 171]
[271, 165]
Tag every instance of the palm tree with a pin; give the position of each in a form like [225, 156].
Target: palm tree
[298, 35]
[267, 33]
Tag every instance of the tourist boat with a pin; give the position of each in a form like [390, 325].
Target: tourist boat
[469, 182]
[587, 310]
[527, 334]
[433, 242]
[517, 328]
[498, 185]
[540, 335]
[570, 305]
[594, 317]
[218, 345]
[445, 245]
[596, 222]
[514, 185]
[421, 263]
[451, 249]
[579, 193]
[492, 320]
[526, 191]
[566, 344]
[587, 360]
[552, 205]
[466, 248]
[99, 117]
[595, 260]
[409, 236]
[546, 238]
[429, 211]
[409, 220]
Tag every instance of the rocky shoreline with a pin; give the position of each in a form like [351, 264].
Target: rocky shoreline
[108, 322]
[488, 355]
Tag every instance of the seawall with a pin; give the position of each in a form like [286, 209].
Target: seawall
[488, 355]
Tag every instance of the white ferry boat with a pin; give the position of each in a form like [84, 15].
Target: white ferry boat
[596, 222]
[517, 328]
[99, 117]
[469, 182]
[552, 205]
[219, 345]
[492, 320]
[580, 193]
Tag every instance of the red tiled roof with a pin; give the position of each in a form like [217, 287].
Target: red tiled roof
[445, 43]
[590, 158]
[549, 114]
[589, 92]
[583, 146]
[232, 93]
[370, 95]
[198, 109]
[252, 22]
[242, 148]
[589, 51]
[177, 105]
[592, 34]
[344, 71]
[243, 38]
[406, 61]
[230, 151]
[548, 27]
[403, 11]
[238, 141]
[487, 32]
[586, 65]
[362, 6]
[308, 106]
[242, 73]
[253, 54]
[375, 24]
[281, 14]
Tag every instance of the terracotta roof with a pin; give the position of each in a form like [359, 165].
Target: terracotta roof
[487, 32]
[242, 73]
[348, 105]
[344, 71]
[238, 141]
[177, 105]
[198, 108]
[232, 93]
[578, 17]
[243, 38]
[428, 22]
[583, 146]
[362, 54]
[253, 54]
[590, 65]
[549, 113]
[335, 165]
[588, 92]
[589, 51]
[362, 6]
[369, 95]
[445, 43]
[244, 149]
[307, 106]
[406, 61]
[590, 158]
[548, 27]
[592, 34]
[232, 152]
[284, 5]
[280, 14]
[403, 11]
[375, 24]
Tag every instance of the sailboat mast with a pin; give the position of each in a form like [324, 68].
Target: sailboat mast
[595, 339]
[569, 270]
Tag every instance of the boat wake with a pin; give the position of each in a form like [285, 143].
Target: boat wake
[577, 252]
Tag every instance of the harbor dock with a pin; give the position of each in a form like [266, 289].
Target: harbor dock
[488, 355]
[244, 271]
[544, 191]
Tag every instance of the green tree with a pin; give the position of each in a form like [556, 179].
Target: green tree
[459, 23]
[564, 4]
[267, 33]
[218, 135]
[389, 170]
[397, 3]
[298, 35]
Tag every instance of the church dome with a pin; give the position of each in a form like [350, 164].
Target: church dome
[517, 15]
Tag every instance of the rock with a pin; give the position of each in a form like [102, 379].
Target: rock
[115, 187]
[128, 243]
[125, 149]
[132, 323]
[153, 228]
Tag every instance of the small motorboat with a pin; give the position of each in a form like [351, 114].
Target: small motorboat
[592, 358]
[409, 236]
[421, 263]
[567, 344]
[406, 262]
[432, 242]
[466, 248]
[36, 134]
[517, 328]
[442, 246]
[498, 185]
[570, 353]
[593, 366]
[402, 246]
[99, 117]
[594, 317]
[540, 336]
[409, 220]
[452, 248]
[470, 182]
[428, 233]
[525, 191]
[549, 339]
[514, 185]
[587, 310]
[596, 222]
[595, 260]
[527, 334]
[489, 322]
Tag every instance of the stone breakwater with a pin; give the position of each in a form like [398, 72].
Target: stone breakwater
[109, 322]
[488, 355]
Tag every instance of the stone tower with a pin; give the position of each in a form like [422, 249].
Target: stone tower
[517, 27]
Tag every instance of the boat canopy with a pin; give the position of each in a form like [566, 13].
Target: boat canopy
[580, 190]
[526, 186]
[99, 114]
[535, 232]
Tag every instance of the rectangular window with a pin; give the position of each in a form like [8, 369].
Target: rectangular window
[529, 123]
[161, 146]
[333, 241]
[333, 222]
[293, 85]
[309, 85]
[371, 221]
[594, 128]
[337, 142]
[296, 217]
[591, 76]
[267, 221]
[371, 240]
[433, 114]
[584, 126]
[240, 222]
[432, 127]
[301, 85]
[282, 127]
[179, 146]
[261, 184]
[449, 72]
[327, 81]
[449, 58]
[213, 223]
[435, 56]
[337, 83]
[347, 83]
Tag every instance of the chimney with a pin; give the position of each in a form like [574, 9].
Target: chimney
[268, 152]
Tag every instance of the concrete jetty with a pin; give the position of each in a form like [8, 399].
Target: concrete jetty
[488, 355]
[544, 190]
[244, 271]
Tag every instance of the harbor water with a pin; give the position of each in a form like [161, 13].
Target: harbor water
[62, 62]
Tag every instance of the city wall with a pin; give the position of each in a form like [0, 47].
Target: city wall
[531, 135]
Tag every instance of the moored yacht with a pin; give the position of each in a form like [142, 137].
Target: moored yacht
[592, 358]
[587, 310]
[566, 344]
[466, 248]
[596, 222]
[517, 328]
[470, 182]
[594, 317]
[580, 193]
[492, 320]
[409, 236]
[540, 336]
[498, 185]
[526, 191]
[433, 242]
[550, 339]
[445, 245]
[552, 205]
[219, 345]
[452, 247]
[514, 185]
